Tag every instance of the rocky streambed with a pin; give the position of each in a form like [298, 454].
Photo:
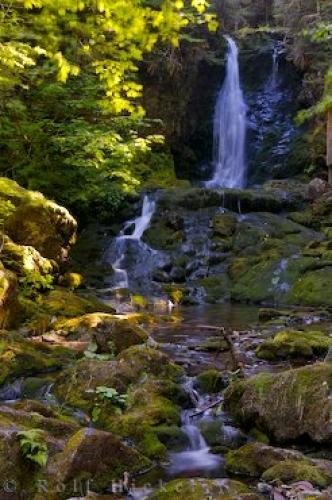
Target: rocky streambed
[168, 389]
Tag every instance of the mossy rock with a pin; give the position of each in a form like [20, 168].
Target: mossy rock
[23, 357]
[166, 232]
[253, 459]
[223, 225]
[30, 219]
[25, 260]
[314, 288]
[287, 405]
[63, 302]
[111, 458]
[291, 471]
[111, 334]
[216, 288]
[211, 381]
[292, 344]
[197, 489]
[72, 280]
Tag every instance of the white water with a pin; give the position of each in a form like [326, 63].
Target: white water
[229, 128]
[140, 225]
[198, 456]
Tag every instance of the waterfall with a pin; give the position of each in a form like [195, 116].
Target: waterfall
[229, 129]
[140, 225]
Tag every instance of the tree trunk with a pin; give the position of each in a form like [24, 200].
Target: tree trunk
[329, 144]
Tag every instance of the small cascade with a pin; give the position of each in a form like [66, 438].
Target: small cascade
[197, 458]
[229, 128]
[139, 225]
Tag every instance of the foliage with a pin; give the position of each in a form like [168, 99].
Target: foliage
[107, 395]
[91, 352]
[71, 122]
[33, 446]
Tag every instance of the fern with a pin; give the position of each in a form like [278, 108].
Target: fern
[33, 446]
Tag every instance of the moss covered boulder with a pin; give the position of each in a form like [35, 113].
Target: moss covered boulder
[292, 344]
[23, 357]
[197, 489]
[144, 377]
[253, 459]
[288, 405]
[291, 471]
[211, 381]
[110, 333]
[30, 219]
[96, 455]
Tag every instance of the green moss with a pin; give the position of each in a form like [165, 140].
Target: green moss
[217, 288]
[313, 288]
[23, 357]
[290, 344]
[291, 471]
[163, 237]
[62, 302]
[196, 489]
[223, 225]
[286, 405]
[211, 381]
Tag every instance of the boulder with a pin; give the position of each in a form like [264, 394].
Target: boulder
[292, 344]
[287, 405]
[197, 489]
[110, 333]
[30, 219]
[23, 357]
[291, 471]
[96, 455]
[316, 188]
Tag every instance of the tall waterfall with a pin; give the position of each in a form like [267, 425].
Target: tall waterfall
[229, 130]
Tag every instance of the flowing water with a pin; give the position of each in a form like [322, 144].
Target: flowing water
[229, 130]
[133, 239]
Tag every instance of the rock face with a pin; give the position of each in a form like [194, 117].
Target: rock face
[210, 245]
[287, 406]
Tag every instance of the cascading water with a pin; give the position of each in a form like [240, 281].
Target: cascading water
[229, 129]
[197, 457]
[140, 224]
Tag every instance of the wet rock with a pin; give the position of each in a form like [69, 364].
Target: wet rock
[196, 489]
[110, 334]
[286, 405]
[95, 455]
[292, 344]
[211, 381]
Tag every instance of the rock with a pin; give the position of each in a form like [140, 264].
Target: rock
[316, 188]
[254, 459]
[65, 303]
[111, 334]
[211, 381]
[145, 376]
[197, 489]
[314, 288]
[223, 225]
[72, 280]
[286, 405]
[23, 357]
[32, 220]
[266, 314]
[290, 471]
[95, 455]
[26, 260]
[292, 344]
